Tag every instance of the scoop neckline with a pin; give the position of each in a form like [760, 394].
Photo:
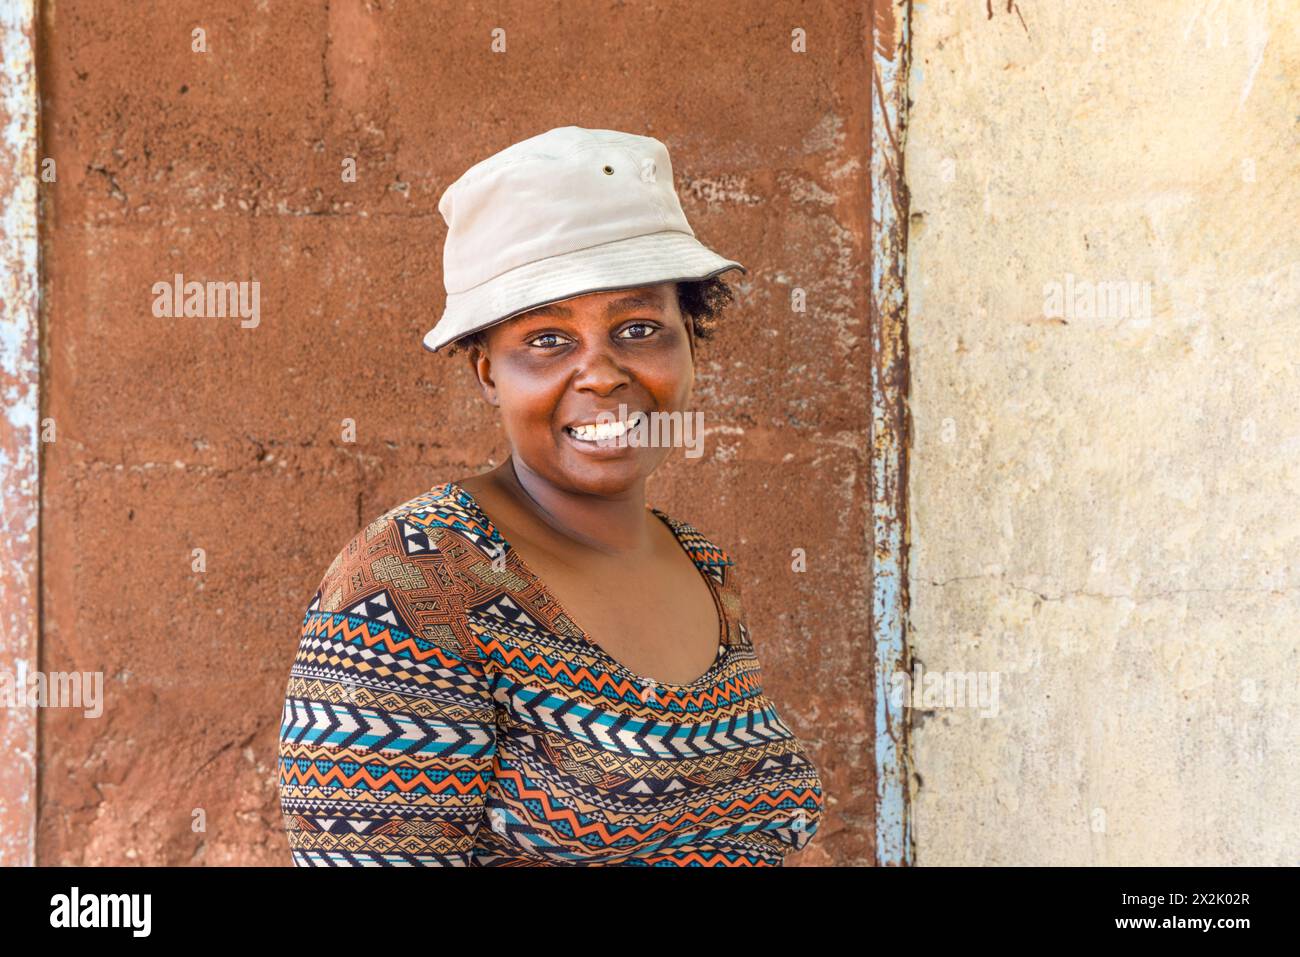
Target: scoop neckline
[724, 620]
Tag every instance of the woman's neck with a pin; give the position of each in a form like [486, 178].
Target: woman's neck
[616, 526]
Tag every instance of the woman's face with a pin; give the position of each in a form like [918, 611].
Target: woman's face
[558, 366]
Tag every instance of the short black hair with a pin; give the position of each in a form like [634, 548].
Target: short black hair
[701, 302]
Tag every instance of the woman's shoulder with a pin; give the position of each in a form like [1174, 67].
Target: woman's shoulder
[716, 562]
[403, 568]
[704, 550]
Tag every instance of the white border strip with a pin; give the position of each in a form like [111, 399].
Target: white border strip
[19, 427]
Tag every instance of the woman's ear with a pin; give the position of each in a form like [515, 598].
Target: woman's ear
[482, 367]
[690, 335]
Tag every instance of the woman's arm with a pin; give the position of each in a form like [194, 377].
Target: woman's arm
[387, 738]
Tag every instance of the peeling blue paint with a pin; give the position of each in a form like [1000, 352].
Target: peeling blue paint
[889, 427]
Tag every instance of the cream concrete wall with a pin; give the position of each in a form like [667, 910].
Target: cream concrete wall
[1104, 508]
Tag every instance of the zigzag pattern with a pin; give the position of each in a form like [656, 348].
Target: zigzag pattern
[442, 710]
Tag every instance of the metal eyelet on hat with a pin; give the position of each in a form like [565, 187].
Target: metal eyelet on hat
[609, 170]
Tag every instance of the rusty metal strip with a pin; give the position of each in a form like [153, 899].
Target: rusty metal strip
[890, 423]
[19, 432]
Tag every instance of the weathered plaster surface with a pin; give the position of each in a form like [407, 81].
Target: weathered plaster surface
[1103, 509]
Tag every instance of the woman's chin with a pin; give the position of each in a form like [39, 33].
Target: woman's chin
[605, 474]
[600, 450]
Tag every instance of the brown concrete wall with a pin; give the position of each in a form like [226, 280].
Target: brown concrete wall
[183, 434]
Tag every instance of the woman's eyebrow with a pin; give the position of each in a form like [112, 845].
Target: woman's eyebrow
[630, 303]
[551, 310]
[615, 306]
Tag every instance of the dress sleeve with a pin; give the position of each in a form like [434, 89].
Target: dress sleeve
[388, 731]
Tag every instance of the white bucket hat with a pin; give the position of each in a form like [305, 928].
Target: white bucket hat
[562, 214]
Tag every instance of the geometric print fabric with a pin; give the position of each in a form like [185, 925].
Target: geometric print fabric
[443, 710]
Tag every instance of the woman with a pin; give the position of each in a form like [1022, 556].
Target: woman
[532, 665]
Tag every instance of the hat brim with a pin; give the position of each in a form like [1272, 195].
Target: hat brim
[668, 256]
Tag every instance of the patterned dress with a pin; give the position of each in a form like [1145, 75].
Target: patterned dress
[444, 710]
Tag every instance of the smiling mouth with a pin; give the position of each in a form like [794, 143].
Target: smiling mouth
[600, 431]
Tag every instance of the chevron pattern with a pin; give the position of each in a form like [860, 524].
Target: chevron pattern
[442, 710]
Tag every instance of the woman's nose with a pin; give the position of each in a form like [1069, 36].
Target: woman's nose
[598, 366]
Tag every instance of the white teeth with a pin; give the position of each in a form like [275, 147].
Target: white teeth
[602, 430]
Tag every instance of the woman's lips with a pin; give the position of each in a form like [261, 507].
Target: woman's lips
[606, 428]
[603, 430]
[602, 436]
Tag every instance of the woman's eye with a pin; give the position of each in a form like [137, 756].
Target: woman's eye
[545, 335]
[641, 325]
